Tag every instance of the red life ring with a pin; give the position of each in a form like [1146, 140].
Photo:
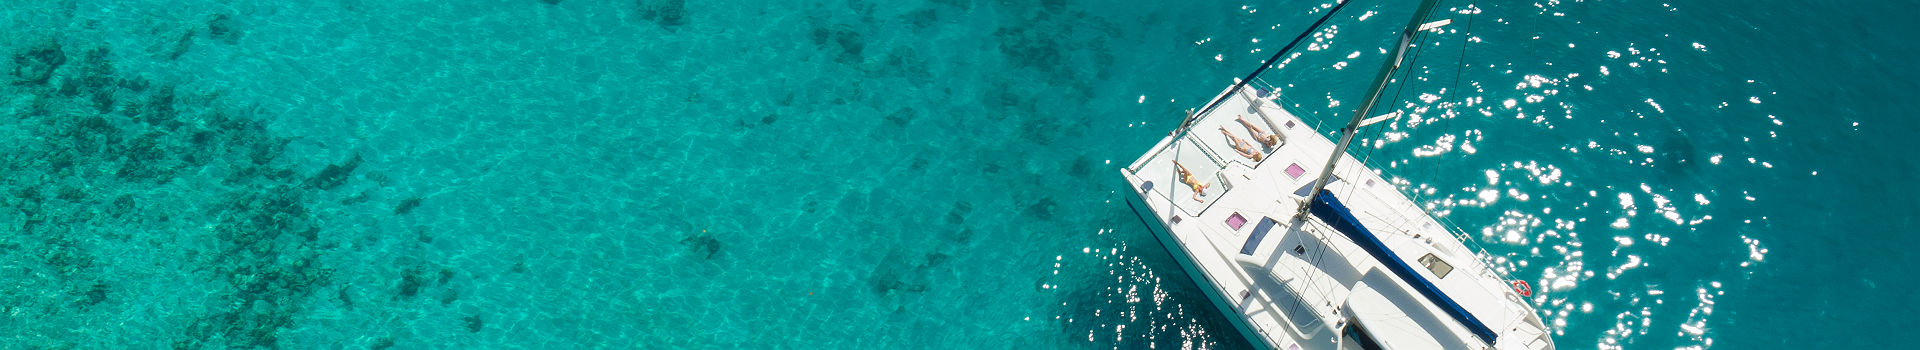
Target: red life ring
[1523, 288]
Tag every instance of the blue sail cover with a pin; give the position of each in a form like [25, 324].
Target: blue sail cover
[1329, 210]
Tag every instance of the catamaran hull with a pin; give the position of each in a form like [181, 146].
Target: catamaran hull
[1180, 254]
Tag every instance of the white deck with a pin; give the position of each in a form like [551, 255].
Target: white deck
[1301, 300]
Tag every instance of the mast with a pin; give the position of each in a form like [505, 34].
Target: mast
[1366, 105]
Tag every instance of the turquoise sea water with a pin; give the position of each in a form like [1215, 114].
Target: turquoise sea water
[868, 174]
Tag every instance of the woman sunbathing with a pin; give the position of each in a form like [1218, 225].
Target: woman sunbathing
[1271, 140]
[1242, 147]
[1186, 177]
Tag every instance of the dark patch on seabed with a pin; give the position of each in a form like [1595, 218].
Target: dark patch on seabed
[334, 175]
[849, 42]
[36, 65]
[220, 27]
[702, 245]
[669, 14]
[406, 206]
[94, 164]
[1677, 157]
[906, 272]
[474, 323]
[432, 281]
[1042, 209]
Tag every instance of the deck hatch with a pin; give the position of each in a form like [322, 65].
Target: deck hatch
[1259, 232]
[1236, 221]
[1439, 267]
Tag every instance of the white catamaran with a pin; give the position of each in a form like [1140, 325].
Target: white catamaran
[1295, 266]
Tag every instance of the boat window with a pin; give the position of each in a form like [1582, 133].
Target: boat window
[1358, 338]
[1439, 267]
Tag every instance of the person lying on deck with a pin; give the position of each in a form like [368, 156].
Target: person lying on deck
[1244, 148]
[1271, 140]
[1186, 177]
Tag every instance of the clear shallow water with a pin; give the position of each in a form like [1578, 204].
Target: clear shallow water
[902, 175]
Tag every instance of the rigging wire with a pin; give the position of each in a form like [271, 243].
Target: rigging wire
[1428, 171]
[1466, 36]
[1406, 80]
[1338, 4]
